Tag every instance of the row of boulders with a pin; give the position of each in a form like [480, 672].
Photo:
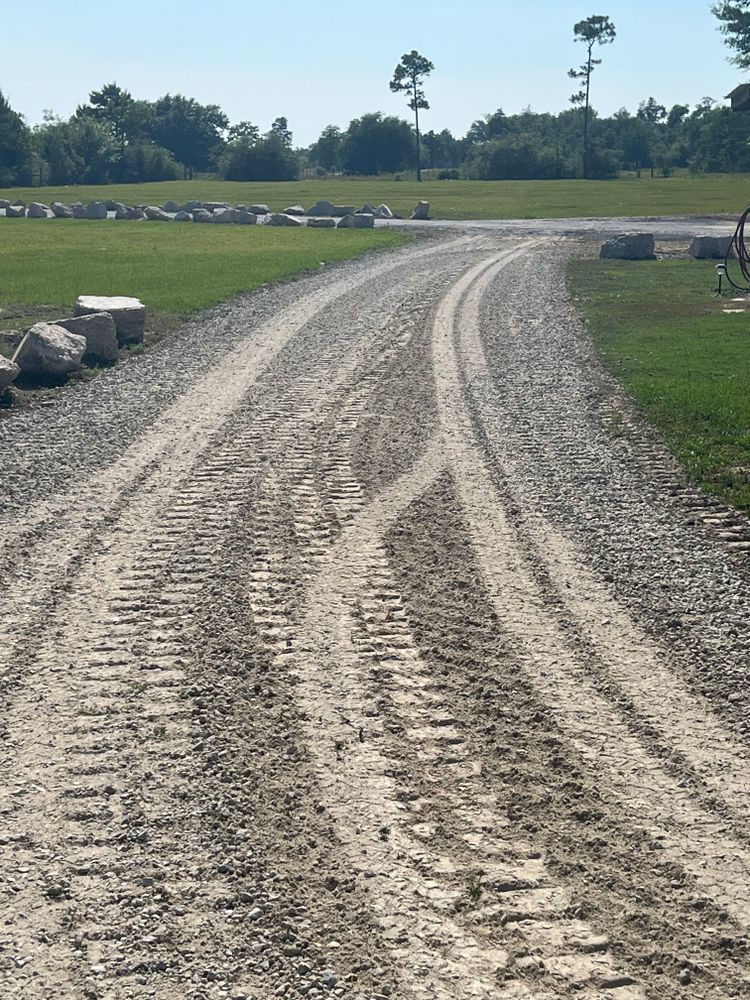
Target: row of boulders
[202, 211]
[93, 336]
[641, 246]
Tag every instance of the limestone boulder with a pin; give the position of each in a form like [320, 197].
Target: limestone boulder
[183, 217]
[49, 351]
[201, 215]
[357, 221]
[224, 216]
[279, 219]
[155, 214]
[259, 209]
[4, 203]
[629, 246]
[710, 247]
[367, 209]
[61, 211]
[135, 214]
[37, 211]
[171, 206]
[9, 372]
[212, 206]
[321, 223]
[422, 212]
[19, 203]
[99, 332]
[383, 212]
[129, 314]
[294, 210]
[79, 210]
[245, 218]
[111, 204]
[191, 206]
[326, 208]
[96, 210]
[15, 212]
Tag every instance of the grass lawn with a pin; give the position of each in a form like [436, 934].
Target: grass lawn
[684, 360]
[679, 195]
[175, 269]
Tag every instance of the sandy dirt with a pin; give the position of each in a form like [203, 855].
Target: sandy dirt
[360, 641]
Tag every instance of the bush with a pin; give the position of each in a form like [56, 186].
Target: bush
[267, 159]
[448, 175]
[512, 158]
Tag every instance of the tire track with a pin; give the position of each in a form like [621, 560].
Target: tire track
[692, 838]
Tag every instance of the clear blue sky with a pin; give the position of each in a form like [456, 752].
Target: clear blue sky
[328, 61]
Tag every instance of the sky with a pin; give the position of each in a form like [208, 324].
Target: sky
[321, 62]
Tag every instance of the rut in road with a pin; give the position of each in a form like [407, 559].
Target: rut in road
[307, 692]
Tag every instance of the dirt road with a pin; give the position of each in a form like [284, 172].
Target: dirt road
[361, 642]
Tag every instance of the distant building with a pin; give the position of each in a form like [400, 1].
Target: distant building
[740, 97]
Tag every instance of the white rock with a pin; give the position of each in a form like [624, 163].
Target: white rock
[422, 212]
[710, 247]
[49, 351]
[155, 214]
[96, 210]
[629, 246]
[129, 314]
[278, 219]
[61, 211]
[259, 209]
[99, 332]
[294, 210]
[36, 211]
[9, 372]
[15, 212]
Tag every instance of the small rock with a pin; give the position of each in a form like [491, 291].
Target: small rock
[9, 372]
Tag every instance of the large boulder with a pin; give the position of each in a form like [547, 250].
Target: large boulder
[629, 246]
[9, 372]
[202, 215]
[37, 211]
[711, 247]
[245, 218]
[119, 209]
[367, 209]
[135, 214]
[326, 208]
[49, 351]
[183, 217]
[79, 210]
[294, 210]
[99, 332]
[111, 204]
[278, 219]
[213, 205]
[225, 216]
[422, 212]
[129, 314]
[357, 221]
[171, 206]
[191, 206]
[383, 212]
[61, 211]
[96, 210]
[259, 209]
[4, 203]
[155, 214]
[15, 212]
[321, 223]
[19, 203]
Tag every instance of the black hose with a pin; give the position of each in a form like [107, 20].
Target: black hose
[740, 248]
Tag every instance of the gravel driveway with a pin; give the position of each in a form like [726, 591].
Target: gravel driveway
[360, 641]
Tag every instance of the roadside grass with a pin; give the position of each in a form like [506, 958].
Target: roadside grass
[680, 195]
[664, 334]
[174, 269]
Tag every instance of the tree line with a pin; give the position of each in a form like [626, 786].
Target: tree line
[114, 137]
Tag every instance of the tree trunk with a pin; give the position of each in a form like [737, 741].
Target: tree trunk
[419, 144]
[586, 120]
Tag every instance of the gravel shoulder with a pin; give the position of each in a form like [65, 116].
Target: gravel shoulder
[347, 650]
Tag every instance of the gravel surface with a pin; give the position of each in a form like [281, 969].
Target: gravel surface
[360, 641]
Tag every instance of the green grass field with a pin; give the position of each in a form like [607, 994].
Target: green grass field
[684, 360]
[174, 269]
[679, 195]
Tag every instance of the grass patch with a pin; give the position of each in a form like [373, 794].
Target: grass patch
[173, 269]
[664, 335]
[628, 195]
